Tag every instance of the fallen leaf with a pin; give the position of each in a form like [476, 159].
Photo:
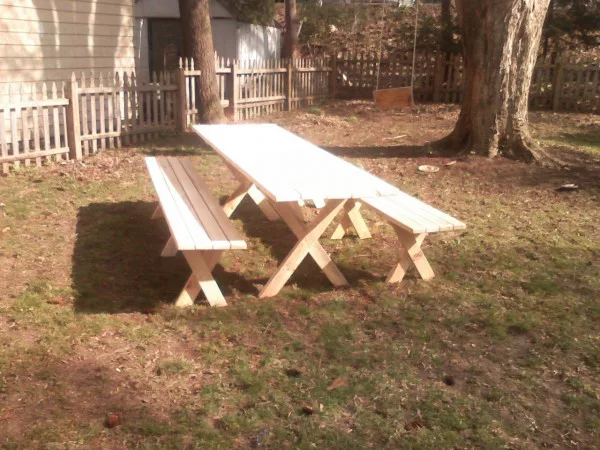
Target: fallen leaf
[293, 373]
[112, 420]
[56, 301]
[415, 424]
[449, 380]
[337, 383]
[309, 411]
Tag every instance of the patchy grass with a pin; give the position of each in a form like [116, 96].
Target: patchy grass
[500, 350]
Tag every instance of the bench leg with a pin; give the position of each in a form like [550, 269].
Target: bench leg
[202, 264]
[170, 248]
[308, 243]
[352, 218]
[409, 254]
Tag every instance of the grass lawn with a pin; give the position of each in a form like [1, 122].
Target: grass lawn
[500, 350]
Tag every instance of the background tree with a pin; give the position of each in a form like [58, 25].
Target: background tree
[198, 44]
[500, 43]
[290, 40]
[572, 25]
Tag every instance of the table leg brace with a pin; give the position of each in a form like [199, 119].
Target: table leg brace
[308, 236]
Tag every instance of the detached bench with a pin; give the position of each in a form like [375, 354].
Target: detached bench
[199, 227]
[412, 220]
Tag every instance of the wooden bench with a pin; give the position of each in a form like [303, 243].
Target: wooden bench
[411, 220]
[199, 227]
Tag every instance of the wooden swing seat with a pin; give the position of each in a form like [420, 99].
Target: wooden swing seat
[399, 97]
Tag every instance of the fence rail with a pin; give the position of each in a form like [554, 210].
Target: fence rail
[97, 111]
[560, 85]
[250, 89]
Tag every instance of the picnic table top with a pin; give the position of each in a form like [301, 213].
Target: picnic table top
[288, 168]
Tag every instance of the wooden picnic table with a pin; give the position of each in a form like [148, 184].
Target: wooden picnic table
[278, 170]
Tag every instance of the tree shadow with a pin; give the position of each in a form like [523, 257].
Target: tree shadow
[49, 388]
[394, 151]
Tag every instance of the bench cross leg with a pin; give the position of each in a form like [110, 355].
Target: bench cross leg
[352, 218]
[308, 243]
[202, 264]
[410, 253]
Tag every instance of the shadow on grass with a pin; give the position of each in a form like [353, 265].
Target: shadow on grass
[117, 265]
[393, 151]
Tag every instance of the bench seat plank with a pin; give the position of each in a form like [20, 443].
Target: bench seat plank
[176, 223]
[186, 210]
[235, 238]
[197, 204]
[413, 215]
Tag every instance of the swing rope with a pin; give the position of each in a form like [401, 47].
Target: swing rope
[414, 55]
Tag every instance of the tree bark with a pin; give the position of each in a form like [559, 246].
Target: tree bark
[290, 40]
[500, 44]
[198, 44]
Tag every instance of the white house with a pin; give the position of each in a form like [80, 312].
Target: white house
[158, 35]
[47, 40]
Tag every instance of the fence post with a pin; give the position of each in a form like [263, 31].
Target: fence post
[73, 126]
[233, 88]
[438, 77]
[557, 84]
[333, 76]
[288, 84]
[181, 99]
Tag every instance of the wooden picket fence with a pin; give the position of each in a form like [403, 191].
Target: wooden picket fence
[559, 85]
[249, 89]
[94, 112]
[33, 125]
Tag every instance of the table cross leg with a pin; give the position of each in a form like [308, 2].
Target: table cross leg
[352, 218]
[158, 213]
[263, 203]
[308, 236]
[236, 198]
[170, 248]
[248, 188]
[202, 264]
[410, 254]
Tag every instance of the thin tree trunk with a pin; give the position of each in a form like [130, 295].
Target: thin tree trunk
[290, 41]
[500, 44]
[446, 32]
[198, 44]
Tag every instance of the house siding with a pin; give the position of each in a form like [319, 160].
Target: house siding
[48, 40]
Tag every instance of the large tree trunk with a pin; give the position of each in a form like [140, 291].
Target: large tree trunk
[500, 44]
[290, 40]
[198, 44]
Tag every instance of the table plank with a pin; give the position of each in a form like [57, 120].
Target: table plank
[288, 168]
